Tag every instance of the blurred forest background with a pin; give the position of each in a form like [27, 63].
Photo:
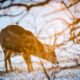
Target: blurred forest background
[56, 23]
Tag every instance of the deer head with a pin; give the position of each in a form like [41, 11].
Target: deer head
[50, 54]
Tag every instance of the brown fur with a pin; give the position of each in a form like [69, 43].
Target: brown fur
[14, 38]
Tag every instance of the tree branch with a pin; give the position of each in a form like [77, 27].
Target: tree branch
[28, 7]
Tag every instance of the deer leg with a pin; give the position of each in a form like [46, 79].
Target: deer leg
[28, 61]
[10, 65]
[9, 61]
[29, 64]
[5, 59]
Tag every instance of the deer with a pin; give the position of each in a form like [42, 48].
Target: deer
[14, 38]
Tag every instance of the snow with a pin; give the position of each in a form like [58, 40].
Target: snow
[39, 75]
[21, 73]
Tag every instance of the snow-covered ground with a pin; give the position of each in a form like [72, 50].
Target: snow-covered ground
[20, 69]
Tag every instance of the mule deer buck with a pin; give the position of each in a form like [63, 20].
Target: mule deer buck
[14, 39]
